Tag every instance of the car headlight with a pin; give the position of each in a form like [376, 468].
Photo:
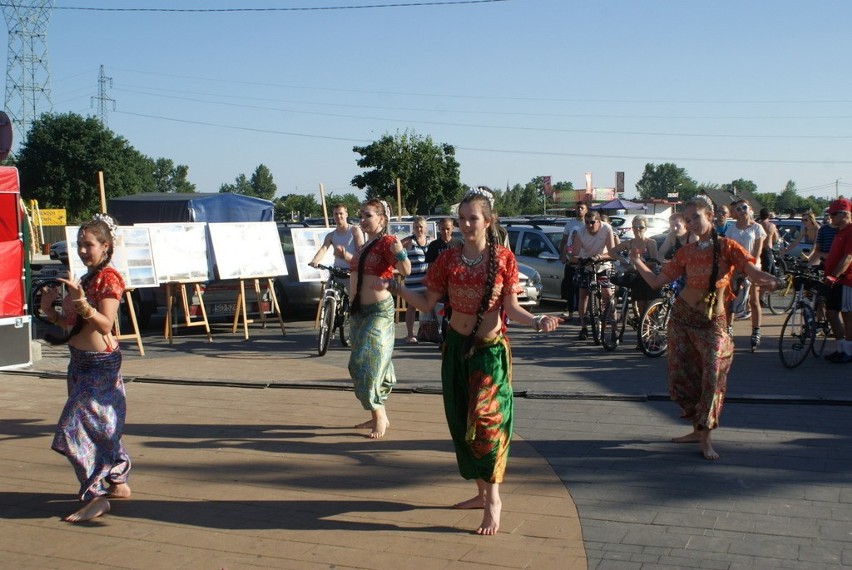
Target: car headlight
[534, 279]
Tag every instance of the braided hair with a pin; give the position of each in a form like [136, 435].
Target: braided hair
[491, 238]
[102, 230]
[381, 207]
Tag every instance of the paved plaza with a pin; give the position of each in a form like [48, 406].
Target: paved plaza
[244, 456]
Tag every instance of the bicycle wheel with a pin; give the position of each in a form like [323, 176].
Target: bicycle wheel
[36, 291]
[780, 301]
[343, 322]
[595, 315]
[822, 331]
[797, 336]
[326, 327]
[653, 336]
[611, 319]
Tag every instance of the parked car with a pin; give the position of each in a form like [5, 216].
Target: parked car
[538, 247]
[59, 252]
[789, 230]
[530, 281]
[623, 225]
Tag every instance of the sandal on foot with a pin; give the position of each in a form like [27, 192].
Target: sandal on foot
[411, 340]
[584, 334]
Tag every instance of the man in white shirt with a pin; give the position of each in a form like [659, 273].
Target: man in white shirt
[591, 244]
[345, 240]
[750, 235]
[569, 292]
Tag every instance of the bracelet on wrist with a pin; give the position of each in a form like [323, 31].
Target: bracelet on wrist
[401, 255]
[536, 322]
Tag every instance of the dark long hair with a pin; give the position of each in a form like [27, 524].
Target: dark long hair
[355, 302]
[99, 228]
[491, 239]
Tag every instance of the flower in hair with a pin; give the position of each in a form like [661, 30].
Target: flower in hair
[107, 219]
[480, 191]
[387, 209]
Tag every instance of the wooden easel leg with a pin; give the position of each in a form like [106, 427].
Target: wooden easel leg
[258, 296]
[203, 311]
[241, 310]
[276, 308]
[132, 312]
[167, 327]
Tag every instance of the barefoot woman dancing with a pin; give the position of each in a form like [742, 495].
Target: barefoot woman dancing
[700, 349]
[92, 422]
[481, 279]
[372, 315]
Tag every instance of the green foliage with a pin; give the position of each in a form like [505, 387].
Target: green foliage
[260, 185]
[297, 207]
[60, 159]
[171, 178]
[428, 172]
[350, 200]
[659, 181]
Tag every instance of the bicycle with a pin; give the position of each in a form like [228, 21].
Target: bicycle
[594, 276]
[334, 314]
[781, 299]
[805, 330]
[47, 280]
[621, 309]
[654, 322]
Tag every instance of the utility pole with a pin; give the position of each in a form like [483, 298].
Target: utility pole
[102, 97]
[27, 74]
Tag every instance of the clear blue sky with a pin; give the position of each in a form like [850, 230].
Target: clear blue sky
[759, 90]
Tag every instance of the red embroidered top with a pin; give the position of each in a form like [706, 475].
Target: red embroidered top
[465, 285]
[380, 261]
[697, 264]
[107, 284]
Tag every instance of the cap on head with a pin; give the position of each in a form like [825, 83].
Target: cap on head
[840, 205]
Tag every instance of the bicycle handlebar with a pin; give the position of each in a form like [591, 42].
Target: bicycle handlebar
[335, 271]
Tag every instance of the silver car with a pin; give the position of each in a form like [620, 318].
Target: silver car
[538, 247]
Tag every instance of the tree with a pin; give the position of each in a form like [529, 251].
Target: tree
[428, 172]
[60, 159]
[350, 200]
[297, 206]
[171, 178]
[660, 181]
[260, 185]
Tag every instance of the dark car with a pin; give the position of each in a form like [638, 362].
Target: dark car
[59, 252]
[293, 294]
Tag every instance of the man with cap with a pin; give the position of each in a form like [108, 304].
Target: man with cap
[838, 275]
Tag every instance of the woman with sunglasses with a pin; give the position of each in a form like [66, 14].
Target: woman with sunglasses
[700, 350]
[808, 233]
[751, 236]
[640, 291]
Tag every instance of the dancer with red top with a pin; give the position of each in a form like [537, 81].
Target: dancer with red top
[92, 422]
[371, 323]
[480, 277]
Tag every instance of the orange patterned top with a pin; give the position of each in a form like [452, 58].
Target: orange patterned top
[107, 284]
[380, 261]
[465, 285]
[697, 264]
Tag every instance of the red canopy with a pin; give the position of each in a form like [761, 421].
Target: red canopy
[11, 245]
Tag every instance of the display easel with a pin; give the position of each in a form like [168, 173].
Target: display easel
[240, 313]
[131, 311]
[187, 317]
[401, 305]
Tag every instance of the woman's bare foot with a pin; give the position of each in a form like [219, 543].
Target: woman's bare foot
[380, 423]
[491, 519]
[369, 424]
[477, 502]
[694, 437]
[94, 508]
[119, 491]
[706, 447]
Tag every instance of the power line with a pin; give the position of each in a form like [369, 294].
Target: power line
[300, 9]
[492, 150]
[500, 127]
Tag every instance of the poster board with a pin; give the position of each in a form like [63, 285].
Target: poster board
[404, 229]
[246, 250]
[132, 257]
[180, 252]
[306, 242]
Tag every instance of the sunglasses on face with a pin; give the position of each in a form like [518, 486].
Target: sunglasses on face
[832, 214]
[591, 222]
[638, 227]
[741, 208]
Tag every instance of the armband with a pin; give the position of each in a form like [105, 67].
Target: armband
[401, 255]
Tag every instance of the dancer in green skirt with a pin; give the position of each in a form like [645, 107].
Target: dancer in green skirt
[480, 277]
